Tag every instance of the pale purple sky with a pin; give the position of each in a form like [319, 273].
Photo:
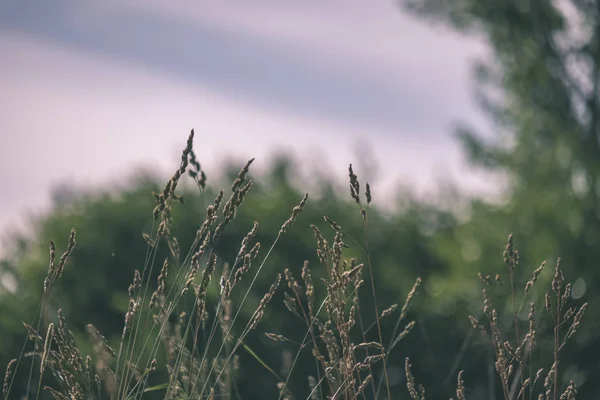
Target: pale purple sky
[90, 89]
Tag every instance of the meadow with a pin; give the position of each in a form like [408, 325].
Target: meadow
[191, 311]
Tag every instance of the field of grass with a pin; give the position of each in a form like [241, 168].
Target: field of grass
[179, 342]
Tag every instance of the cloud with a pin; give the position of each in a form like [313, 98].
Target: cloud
[258, 65]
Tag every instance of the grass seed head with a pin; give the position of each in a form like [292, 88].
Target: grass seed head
[354, 185]
[295, 211]
[460, 387]
[10, 368]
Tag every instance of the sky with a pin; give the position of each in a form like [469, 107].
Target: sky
[92, 89]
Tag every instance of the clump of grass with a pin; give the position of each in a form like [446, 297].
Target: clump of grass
[344, 358]
[186, 321]
[195, 370]
[514, 348]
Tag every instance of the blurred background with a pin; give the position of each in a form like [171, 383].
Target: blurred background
[471, 120]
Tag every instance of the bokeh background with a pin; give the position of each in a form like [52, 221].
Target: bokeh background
[471, 120]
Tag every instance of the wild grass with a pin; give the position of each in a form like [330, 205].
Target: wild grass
[514, 346]
[183, 331]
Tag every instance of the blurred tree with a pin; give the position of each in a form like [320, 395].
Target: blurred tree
[541, 87]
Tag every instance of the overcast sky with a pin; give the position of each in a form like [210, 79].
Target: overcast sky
[90, 89]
